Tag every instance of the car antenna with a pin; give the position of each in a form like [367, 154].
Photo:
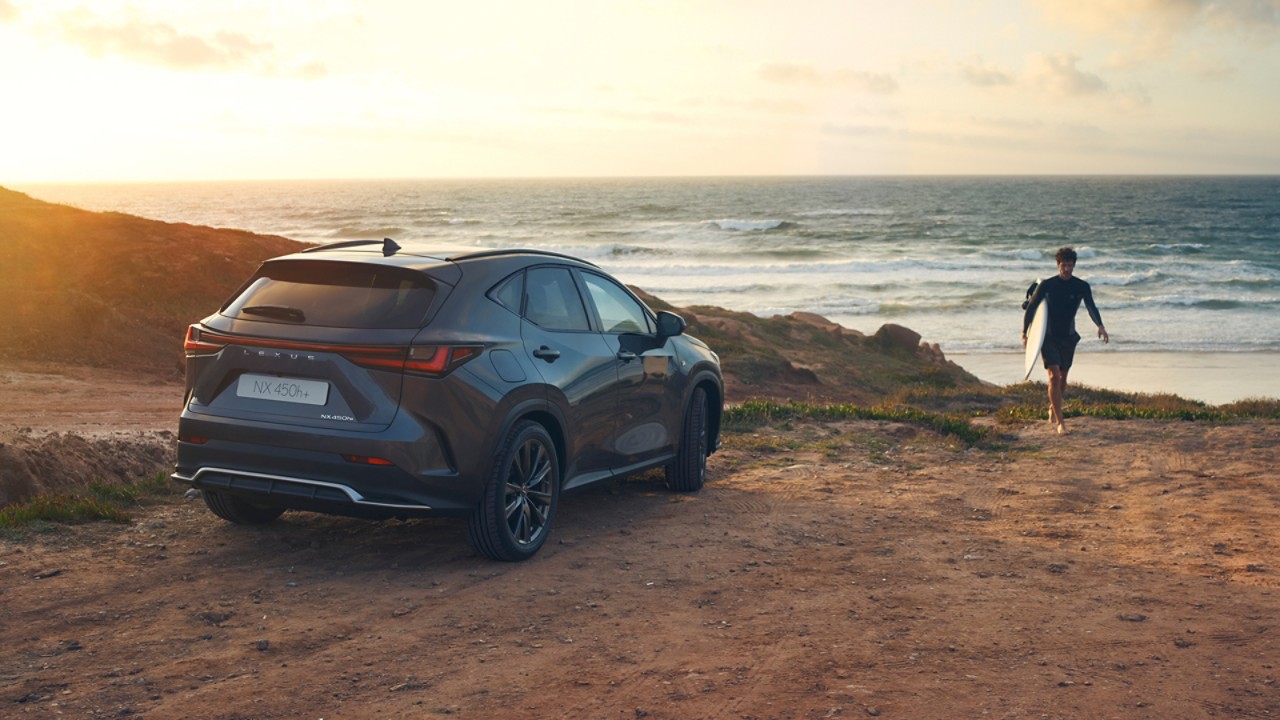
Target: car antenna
[389, 247]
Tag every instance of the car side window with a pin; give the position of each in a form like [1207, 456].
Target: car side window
[552, 301]
[508, 292]
[619, 312]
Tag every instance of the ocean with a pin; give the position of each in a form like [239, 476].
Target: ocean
[1177, 264]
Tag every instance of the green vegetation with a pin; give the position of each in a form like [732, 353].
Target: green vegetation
[756, 413]
[949, 411]
[59, 509]
[158, 485]
[1137, 406]
[1028, 401]
[96, 501]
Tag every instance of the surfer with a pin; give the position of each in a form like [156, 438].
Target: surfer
[1065, 292]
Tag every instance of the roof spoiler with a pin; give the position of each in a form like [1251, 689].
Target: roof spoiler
[389, 246]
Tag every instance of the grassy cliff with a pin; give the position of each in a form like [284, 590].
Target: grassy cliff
[109, 289]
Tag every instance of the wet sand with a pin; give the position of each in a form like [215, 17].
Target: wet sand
[1214, 378]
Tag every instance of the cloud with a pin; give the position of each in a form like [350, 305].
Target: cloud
[311, 69]
[1207, 67]
[1057, 74]
[1008, 124]
[8, 11]
[1147, 29]
[1054, 75]
[850, 130]
[1168, 17]
[809, 76]
[1134, 97]
[984, 74]
[162, 44]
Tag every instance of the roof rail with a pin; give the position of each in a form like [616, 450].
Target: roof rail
[389, 247]
[517, 251]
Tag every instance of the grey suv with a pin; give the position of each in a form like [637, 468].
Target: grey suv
[373, 380]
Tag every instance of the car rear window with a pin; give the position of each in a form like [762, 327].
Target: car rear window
[335, 294]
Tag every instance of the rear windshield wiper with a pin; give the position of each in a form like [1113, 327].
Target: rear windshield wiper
[278, 312]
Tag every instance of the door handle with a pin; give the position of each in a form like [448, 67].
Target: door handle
[546, 353]
[626, 355]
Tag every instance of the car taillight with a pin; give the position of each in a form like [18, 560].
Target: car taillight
[199, 342]
[430, 360]
[439, 360]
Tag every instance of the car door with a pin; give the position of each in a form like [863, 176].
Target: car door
[578, 367]
[649, 382]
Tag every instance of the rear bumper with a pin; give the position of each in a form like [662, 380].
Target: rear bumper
[305, 494]
[306, 470]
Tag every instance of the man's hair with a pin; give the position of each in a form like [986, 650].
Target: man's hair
[1065, 254]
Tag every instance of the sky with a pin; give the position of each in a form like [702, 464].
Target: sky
[154, 90]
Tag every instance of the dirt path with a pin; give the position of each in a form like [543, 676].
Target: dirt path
[849, 569]
[90, 402]
[65, 426]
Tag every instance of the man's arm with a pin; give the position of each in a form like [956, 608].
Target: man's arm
[1094, 315]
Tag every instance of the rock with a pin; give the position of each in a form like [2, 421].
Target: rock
[891, 335]
[820, 322]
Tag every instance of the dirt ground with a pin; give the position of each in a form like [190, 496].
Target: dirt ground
[848, 569]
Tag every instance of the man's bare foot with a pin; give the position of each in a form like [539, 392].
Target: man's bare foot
[1062, 428]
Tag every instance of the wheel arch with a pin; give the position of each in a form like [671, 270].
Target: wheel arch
[714, 389]
[545, 414]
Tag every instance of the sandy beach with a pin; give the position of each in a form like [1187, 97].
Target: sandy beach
[1211, 377]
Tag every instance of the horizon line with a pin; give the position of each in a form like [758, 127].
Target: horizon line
[509, 178]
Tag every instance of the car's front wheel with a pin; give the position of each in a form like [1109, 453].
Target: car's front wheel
[514, 516]
[688, 471]
[239, 510]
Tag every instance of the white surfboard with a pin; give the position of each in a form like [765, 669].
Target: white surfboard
[1035, 336]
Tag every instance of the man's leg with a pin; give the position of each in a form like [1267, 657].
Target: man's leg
[1062, 396]
[1057, 384]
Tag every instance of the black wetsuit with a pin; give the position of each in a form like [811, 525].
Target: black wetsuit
[1064, 300]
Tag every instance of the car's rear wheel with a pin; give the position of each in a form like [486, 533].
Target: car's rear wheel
[688, 471]
[520, 495]
[239, 510]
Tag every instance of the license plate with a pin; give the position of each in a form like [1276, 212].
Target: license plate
[282, 389]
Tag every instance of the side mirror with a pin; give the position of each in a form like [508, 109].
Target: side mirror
[669, 324]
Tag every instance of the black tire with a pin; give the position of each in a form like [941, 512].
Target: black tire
[688, 471]
[521, 492]
[239, 510]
